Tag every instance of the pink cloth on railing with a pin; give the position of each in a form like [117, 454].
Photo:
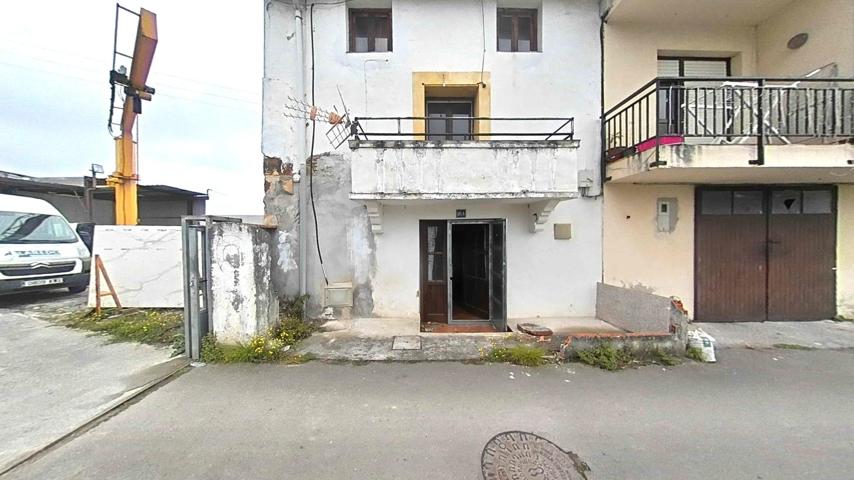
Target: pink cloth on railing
[665, 140]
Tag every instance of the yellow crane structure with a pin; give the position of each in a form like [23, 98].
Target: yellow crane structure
[133, 84]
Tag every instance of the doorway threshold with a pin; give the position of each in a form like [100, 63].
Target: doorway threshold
[471, 327]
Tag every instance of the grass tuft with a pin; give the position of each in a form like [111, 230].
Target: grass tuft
[525, 355]
[274, 346]
[663, 358]
[607, 357]
[695, 353]
[161, 327]
[792, 346]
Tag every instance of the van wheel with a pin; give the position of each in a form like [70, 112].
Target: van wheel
[77, 289]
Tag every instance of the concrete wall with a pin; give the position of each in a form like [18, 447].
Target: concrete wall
[831, 38]
[242, 302]
[636, 254]
[499, 169]
[845, 251]
[637, 311]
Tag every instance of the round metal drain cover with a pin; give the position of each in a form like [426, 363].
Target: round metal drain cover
[522, 456]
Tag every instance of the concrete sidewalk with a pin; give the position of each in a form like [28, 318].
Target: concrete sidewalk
[54, 379]
[755, 414]
[826, 334]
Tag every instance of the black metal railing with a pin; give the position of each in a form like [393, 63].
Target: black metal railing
[445, 128]
[731, 110]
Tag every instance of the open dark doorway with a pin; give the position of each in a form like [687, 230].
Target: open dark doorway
[463, 272]
[470, 272]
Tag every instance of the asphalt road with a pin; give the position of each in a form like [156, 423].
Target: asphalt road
[758, 414]
[54, 379]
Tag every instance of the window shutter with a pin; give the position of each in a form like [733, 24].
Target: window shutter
[668, 68]
[705, 68]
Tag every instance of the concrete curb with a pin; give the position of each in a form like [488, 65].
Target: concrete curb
[129, 399]
[470, 347]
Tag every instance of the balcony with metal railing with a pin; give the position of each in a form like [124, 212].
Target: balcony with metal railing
[733, 129]
[464, 157]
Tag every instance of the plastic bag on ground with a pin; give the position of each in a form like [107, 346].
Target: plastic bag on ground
[703, 342]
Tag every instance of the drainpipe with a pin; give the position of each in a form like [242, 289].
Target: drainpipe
[602, 140]
[299, 92]
[603, 168]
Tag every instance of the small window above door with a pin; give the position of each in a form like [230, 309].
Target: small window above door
[370, 30]
[517, 30]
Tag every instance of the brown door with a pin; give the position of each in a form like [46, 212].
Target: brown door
[434, 276]
[765, 254]
[730, 256]
[801, 254]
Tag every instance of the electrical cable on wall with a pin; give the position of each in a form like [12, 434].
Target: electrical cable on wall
[311, 158]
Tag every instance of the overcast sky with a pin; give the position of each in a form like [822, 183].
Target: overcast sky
[202, 129]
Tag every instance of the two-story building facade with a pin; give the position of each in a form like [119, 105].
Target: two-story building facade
[729, 163]
[473, 162]
[467, 190]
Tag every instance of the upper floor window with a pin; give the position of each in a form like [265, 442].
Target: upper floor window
[449, 119]
[370, 30]
[693, 67]
[517, 29]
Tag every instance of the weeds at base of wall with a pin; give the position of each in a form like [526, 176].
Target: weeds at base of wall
[661, 357]
[525, 355]
[792, 346]
[611, 358]
[842, 318]
[159, 327]
[606, 357]
[258, 350]
[292, 308]
[695, 354]
[275, 346]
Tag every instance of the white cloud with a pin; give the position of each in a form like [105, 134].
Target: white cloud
[202, 129]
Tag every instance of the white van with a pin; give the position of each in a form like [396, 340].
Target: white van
[39, 249]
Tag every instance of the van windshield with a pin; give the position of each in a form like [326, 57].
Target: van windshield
[18, 227]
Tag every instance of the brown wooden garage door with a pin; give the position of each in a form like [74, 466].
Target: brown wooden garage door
[765, 253]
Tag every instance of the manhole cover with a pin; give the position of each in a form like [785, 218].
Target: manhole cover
[522, 455]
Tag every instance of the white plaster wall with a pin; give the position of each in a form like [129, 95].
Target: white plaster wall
[143, 263]
[830, 25]
[545, 277]
[240, 266]
[440, 35]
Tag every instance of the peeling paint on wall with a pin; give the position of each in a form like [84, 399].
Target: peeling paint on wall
[242, 302]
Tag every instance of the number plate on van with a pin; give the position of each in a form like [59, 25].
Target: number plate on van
[42, 281]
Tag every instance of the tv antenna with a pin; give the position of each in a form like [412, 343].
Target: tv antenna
[338, 132]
